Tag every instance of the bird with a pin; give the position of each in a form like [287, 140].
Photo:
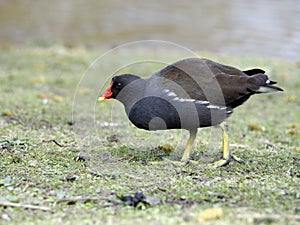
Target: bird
[189, 94]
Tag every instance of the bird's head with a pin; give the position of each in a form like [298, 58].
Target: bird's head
[116, 85]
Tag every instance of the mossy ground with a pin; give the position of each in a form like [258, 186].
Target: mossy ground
[55, 147]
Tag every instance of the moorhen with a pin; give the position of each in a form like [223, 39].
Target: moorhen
[189, 94]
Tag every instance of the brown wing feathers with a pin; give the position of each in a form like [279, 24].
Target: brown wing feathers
[196, 76]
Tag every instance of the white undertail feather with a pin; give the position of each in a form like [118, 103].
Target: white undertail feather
[266, 89]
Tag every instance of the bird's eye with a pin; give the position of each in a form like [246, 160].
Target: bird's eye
[118, 85]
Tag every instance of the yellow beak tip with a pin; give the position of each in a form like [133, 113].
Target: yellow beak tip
[100, 99]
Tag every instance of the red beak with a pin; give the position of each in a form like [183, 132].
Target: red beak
[106, 94]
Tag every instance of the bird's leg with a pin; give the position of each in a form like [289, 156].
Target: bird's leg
[187, 151]
[185, 160]
[227, 155]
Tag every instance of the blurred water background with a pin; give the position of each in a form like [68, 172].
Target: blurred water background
[264, 27]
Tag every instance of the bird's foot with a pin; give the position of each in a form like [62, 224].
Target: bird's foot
[185, 163]
[164, 162]
[224, 162]
[174, 163]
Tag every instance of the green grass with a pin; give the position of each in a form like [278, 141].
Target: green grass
[41, 100]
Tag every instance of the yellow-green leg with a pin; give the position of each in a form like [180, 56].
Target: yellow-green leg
[187, 151]
[227, 155]
[185, 160]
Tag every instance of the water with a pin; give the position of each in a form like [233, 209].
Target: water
[268, 28]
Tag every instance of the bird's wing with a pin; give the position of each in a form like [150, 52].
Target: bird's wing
[205, 80]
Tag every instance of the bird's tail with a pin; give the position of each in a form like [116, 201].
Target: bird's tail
[269, 88]
[260, 83]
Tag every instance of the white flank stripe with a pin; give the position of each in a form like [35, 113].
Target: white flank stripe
[172, 94]
[202, 102]
[215, 107]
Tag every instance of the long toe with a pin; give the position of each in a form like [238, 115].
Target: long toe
[219, 163]
[168, 162]
[237, 159]
[174, 163]
[185, 163]
[224, 162]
